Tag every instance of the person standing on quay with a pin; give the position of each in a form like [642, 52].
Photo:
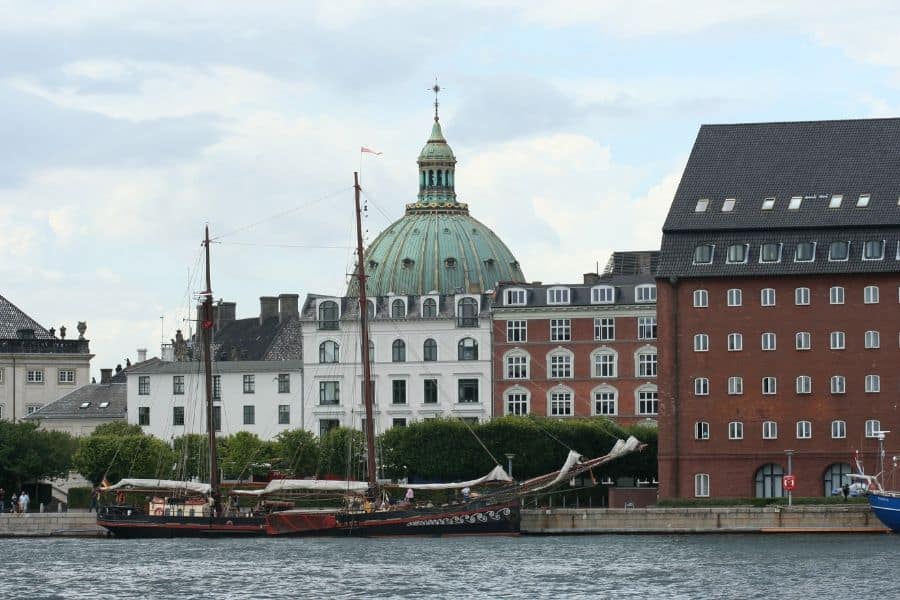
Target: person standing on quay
[23, 501]
[14, 503]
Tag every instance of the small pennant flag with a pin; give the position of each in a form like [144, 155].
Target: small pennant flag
[370, 151]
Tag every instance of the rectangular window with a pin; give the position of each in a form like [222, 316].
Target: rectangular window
[603, 294]
[560, 330]
[839, 251]
[835, 201]
[873, 384]
[647, 364]
[645, 293]
[178, 416]
[770, 430]
[515, 297]
[768, 342]
[703, 254]
[430, 391]
[249, 384]
[803, 340]
[737, 253]
[605, 329]
[648, 403]
[837, 340]
[34, 376]
[873, 340]
[728, 205]
[64, 376]
[178, 385]
[735, 386]
[468, 391]
[561, 404]
[735, 297]
[558, 296]
[768, 204]
[702, 205]
[863, 200]
[517, 404]
[284, 383]
[838, 429]
[701, 430]
[870, 294]
[701, 298]
[805, 252]
[804, 430]
[836, 295]
[701, 386]
[767, 297]
[605, 403]
[329, 393]
[144, 385]
[769, 387]
[795, 202]
[605, 364]
[838, 384]
[646, 328]
[770, 253]
[517, 331]
[398, 391]
[701, 342]
[217, 387]
[873, 250]
[217, 418]
[249, 414]
[326, 425]
[804, 384]
[516, 366]
[735, 430]
[701, 485]
[801, 296]
[284, 414]
[560, 366]
[735, 342]
[144, 416]
[398, 422]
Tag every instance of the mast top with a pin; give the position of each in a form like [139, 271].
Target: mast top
[436, 89]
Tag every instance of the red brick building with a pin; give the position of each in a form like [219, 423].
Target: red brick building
[579, 349]
[778, 288]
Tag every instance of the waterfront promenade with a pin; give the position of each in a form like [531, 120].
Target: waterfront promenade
[851, 518]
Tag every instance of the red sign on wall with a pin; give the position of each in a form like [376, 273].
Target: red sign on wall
[789, 482]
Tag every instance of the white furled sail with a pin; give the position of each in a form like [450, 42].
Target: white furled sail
[496, 474]
[161, 484]
[314, 485]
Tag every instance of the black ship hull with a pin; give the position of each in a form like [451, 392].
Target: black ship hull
[129, 524]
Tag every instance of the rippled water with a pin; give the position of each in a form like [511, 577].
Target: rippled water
[706, 566]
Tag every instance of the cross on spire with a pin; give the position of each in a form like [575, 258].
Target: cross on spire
[436, 89]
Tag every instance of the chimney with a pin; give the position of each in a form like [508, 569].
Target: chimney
[591, 278]
[288, 307]
[227, 312]
[268, 308]
[142, 354]
[105, 376]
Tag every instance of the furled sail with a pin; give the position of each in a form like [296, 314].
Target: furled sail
[313, 485]
[496, 474]
[161, 484]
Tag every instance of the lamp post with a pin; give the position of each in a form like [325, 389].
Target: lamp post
[509, 457]
[790, 453]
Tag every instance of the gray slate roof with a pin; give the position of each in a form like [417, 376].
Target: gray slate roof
[350, 306]
[12, 319]
[248, 339]
[579, 293]
[69, 406]
[811, 159]
[226, 366]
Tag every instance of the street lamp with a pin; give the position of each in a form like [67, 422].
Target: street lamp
[509, 457]
[789, 453]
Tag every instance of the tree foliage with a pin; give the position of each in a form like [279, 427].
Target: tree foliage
[28, 453]
[341, 453]
[243, 454]
[297, 453]
[119, 456]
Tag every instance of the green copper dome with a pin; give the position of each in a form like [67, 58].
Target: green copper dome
[437, 246]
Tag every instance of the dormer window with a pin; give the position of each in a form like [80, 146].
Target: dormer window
[85, 404]
[407, 263]
[450, 263]
[768, 204]
[702, 205]
[873, 250]
[728, 205]
[558, 295]
[703, 254]
[839, 251]
[835, 201]
[770, 253]
[429, 308]
[467, 312]
[737, 253]
[104, 405]
[805, 252]
[514, 297]
[490, 262]
[398, 309]
[372, 265]
[645, 293]
[603, 294]
[795, 202]
[328, 314]
[863, 200]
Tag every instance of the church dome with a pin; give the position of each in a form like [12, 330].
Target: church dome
[437, 246]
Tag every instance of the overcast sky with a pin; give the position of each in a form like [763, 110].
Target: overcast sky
[126, 126]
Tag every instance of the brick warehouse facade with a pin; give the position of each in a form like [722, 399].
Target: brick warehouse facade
[778, 290]
[575, 350]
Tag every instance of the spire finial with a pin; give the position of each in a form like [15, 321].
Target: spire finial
[436, 89]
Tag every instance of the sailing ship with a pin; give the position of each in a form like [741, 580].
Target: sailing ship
[885, 503]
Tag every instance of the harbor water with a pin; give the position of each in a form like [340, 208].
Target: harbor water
[607, 566]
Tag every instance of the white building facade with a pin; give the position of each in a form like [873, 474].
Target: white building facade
[168, 399]
[431, 357]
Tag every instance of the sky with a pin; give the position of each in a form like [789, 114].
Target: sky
[128, 126]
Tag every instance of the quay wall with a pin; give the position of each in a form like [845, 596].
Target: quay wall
[82, 524]
[855, 518]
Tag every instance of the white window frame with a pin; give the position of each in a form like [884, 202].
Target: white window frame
[522, 398]
[837, 340]
[768, 341]
[516, 364]
[515, 297]
[611, 366]
[873, 383]
[778, 245]
[712, 254]
[865, 246]
[517, 330]
[646, 362]
[560, 398]
[605, 329]
[701, 299]
[701, 485]
[871, 294]
[863, 200]
[767, 297]
[34, 376]
[768, 204]
[736, 430]
[701, 342]
[728, 259]
[795, 202]
[560, 330]
[610, 398]
[735, 385]
[836, 294]
[769, 386]
[836, 201]
[728, 204]
[701, 430]
[872, 340]
[65, 376]
[603, 294]
[645, 293]
[831, 247]
[838, 429]
[803, 340]
[804, 430]
[803, 384]
[797, 249]
[649, 395]
[735, 297]
[559, 295]
[701, 386]
[647, 328]
[872, 427]
[702, 205]
[838, 384]
[735, 342]
[770, 430]
[801, 296]
[560, 364]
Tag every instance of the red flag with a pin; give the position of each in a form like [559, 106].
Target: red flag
[369, 150]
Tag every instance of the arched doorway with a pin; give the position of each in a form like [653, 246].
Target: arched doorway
[835, 476]
[768, 481]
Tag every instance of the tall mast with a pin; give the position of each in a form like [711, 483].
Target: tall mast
[364, 335]
[207, 369]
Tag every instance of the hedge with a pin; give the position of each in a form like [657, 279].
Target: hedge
[79, 497]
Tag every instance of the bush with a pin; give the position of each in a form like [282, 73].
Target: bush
[79, 497]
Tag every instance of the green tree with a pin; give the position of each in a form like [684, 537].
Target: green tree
[244, 454]
[119, 456]
[297, 452]
[118, 428]
[341, 453]
[28, 453]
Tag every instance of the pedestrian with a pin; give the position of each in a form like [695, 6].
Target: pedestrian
[465, 492]
[95, 501]
[845, 490]
[23, 501]
[410, 494]
[14, 504]
[2, 500]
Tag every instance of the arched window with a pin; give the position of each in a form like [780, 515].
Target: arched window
[467, 313]
[835, 476]
[605, 363]
[516, 402]
[429, 350]
[646, 401]
[605, 400]
[560, 402]
[559, 364]
[429, 308]
[329, 352]
[467, 349]
[516, 365]
[440, 177]
[430, 178]
[645, 362]
[398, 309]
[768, 481]
[398, 351]
[328, 315]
